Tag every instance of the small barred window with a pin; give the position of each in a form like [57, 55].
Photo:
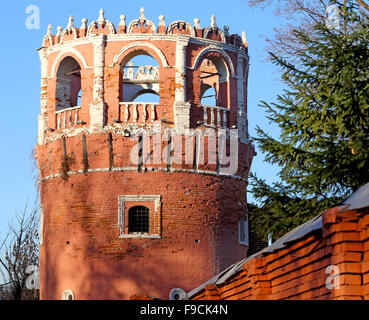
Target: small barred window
[138, 219]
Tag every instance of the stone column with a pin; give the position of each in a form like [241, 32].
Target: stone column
[97, 108]
[241, 99]
[42, 118]
[181, 107]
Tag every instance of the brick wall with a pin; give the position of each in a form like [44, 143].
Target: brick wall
[329, 263]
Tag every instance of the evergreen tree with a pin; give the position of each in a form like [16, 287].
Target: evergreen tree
[323, 116]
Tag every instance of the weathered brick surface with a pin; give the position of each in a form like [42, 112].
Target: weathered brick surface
[299, 270]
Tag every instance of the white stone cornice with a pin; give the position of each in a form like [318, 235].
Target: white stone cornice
[149, 37]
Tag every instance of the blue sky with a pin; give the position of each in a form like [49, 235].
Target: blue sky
[20, 80]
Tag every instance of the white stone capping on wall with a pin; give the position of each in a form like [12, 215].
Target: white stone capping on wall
[149, 169]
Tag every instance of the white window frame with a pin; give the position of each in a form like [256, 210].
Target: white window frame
[121, 215]
[243, 228]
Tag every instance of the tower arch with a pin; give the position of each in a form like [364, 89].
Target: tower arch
[68, 83]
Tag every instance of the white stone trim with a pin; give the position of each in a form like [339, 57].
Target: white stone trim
[187, 24]
[243, 228]
[161, 55]
[230, 70]
[181, 53]
[142, 18]
[94, 24]
[220, 31]
[66, 294]
[66, 50]
[70, 28]
[149, 169]
[101, 20]
[148, 37]
[48, 36]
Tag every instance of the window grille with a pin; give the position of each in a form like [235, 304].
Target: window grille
[138, 220]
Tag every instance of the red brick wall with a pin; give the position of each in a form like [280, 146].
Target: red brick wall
[299, 271]
[81, 248]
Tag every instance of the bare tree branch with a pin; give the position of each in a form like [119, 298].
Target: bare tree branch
[18, 251]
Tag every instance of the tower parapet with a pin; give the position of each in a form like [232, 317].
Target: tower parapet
[129, 184]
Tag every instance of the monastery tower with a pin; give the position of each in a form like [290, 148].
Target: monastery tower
[141, 196]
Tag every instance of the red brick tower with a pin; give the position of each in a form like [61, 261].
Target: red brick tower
[141, 197]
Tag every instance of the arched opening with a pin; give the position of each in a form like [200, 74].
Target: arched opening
[138, 219]
[146, 96]
[79, 98]
[68, 84]
[214, 82]
[214, 92]
[208, 95]
[140, 78]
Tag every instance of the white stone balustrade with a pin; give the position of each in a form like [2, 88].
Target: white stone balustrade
[67, 118]
[144, 73]
[138, 112]
[216, 117]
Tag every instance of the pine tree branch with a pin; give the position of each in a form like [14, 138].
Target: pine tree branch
[363, 4]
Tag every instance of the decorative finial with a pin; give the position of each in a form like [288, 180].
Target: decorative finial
[49, 29]
[122, 20]
[84, 23]
[161, 20]
[142, 14]
[244, 40]
[196, 22]
[226, 31]
[213, 23]
[70, 22]
[101, 18]
[60, 29]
